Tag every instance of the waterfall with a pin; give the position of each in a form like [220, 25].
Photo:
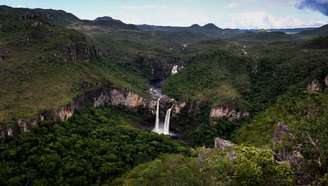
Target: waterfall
[175, 70]
[157, 129]
[166, 130]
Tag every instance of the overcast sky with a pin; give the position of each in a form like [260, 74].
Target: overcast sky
[224, 13]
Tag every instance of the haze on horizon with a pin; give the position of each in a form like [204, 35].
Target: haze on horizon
[244, 14]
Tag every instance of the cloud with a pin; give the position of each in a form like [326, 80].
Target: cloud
[162, 15]
[232, 5]
[264, 20]
[141, 7]
[317, 5]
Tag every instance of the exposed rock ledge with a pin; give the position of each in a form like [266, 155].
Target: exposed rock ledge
[316, 85]
[231, 114]
[99, 97]
[222, 144]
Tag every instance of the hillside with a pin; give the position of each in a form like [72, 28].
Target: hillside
[80, 99]
[45, 66]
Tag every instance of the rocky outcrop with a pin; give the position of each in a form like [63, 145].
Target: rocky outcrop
[79, 52]
[281, 131]
[179, 106]
[318, 85]
[326, 81]
[66, 112]
[98, 98]
[222, 144]
[231, 114]
[116, 97]
[282, 138]
[314, 86]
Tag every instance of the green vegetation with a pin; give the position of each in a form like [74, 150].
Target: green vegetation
[217, 77]
[50, 57]
[198, 129]
[237, 166]
[94, 147]
[47, 66]
[306, 116]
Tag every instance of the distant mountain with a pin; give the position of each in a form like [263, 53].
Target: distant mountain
[110, 22]
[62, 18]
[55, 17]
[211, 26]
[194, 27]
[210, 30]
[317, 32]
[262, 36]
[291, 30]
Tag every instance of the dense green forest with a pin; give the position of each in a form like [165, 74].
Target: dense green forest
[238, 166]
[96, 75]
[94, 147]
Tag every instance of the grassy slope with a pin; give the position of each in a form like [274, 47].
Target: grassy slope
[34, 80]
[268, 71]
[216, 77]
[294, 110]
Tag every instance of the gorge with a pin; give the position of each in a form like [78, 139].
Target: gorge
[102, 102]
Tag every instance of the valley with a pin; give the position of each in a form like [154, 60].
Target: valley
[102, 102]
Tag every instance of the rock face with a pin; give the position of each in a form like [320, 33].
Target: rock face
[179, 106]
[116, 97]
[314, 86]
[222, 144]
[99, 97]
[65, 113]
[223, 112]
[79, 52]
[281, 137]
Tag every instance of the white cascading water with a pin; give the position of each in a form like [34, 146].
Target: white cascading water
[175, 70]
[157, 128]
[166, 129]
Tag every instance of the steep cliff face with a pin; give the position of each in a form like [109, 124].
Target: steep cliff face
[314, 86]
[224, 112]
[97, 98]
[117, 97]
[283, 139]
[79, 52]
[162, 67]
[222, 144]
[318, 85]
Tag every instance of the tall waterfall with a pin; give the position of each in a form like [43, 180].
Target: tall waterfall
[166, 129]
[161, 128]
[157, 128]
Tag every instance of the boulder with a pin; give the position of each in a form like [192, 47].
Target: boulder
[231, 114]
[222, 144]
[314, 86]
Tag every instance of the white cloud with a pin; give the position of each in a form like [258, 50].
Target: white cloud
[232, 5]
[162, 15]
[141, 7]
[264, 20]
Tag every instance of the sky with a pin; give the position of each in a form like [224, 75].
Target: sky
[244, 14]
